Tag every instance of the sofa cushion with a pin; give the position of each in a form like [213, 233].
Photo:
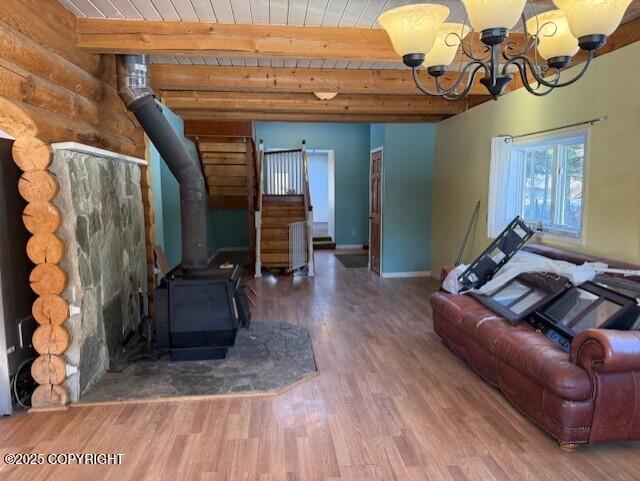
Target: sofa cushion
[535, 356]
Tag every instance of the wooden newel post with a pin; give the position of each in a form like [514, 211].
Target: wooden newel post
[46, 250]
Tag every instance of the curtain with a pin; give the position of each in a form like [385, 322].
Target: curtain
[501, 196]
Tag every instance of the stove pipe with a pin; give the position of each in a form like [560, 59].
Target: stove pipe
[134, 89]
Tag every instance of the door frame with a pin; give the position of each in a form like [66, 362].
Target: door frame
[331, 159]
[381, 150]
[331, 190]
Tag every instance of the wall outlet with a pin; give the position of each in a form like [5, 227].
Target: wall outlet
[353, 233]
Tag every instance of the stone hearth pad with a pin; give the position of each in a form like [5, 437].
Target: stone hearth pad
[267, 358]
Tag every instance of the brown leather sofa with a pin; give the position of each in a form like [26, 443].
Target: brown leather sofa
[590, 395]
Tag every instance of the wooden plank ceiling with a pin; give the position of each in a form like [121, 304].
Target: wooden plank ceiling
[261, 59]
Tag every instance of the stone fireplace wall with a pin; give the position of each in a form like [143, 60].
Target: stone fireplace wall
[103, 230]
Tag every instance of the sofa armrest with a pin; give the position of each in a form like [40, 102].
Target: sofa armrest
[444, 272]
[605, 350]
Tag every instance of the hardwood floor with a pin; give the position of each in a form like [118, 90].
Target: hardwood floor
[391, 403]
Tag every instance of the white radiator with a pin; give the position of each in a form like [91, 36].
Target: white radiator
[298, 247]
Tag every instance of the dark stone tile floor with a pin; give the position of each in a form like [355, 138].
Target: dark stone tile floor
[267, 357]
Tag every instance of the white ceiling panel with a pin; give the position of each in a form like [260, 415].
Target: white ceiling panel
[315, 12]
[69, 5]
[278, 12]
[223, 11]
[242, 11]
[333, 14]
[259, 11]
[369, 15]
[144, 7]
[204, 10]
[185, 10]
[87, 9]
[297, 12]
[125, 8]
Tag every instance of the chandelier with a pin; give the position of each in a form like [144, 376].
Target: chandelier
[421, 37]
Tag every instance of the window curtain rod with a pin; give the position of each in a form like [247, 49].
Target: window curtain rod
[578, 124]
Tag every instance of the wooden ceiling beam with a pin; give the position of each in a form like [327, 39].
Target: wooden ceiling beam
[309, 104]
[199, 114]
[237, 40]
[292, 80]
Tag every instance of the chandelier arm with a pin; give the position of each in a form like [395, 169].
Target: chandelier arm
[525, 81]
[471, 56]
[529, 45]
[526, 62]
[420, 86]
[470, 80]
[460, 78]
[439, 92]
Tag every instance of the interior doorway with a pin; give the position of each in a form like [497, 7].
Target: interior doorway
[322, 188]
[375, 210]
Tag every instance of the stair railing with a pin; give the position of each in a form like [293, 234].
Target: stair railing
[258, 212]
[308, 209]
[284, 172]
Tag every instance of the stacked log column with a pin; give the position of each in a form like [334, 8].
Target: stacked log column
[48, 280]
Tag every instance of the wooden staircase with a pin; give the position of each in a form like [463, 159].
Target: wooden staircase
[284, 215]
[228, 156]
[278, 211]
[228, 165]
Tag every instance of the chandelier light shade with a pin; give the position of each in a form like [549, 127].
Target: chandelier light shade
[593, 17]
[413, 28]
[554, 36]
[490, 14]
[420, 36]
[446, 45]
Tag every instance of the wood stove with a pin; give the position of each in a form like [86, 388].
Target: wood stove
[198, 316]
[198, 308]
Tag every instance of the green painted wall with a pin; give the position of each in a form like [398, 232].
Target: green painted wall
[612, 197]
[408, 155]
[351, 145]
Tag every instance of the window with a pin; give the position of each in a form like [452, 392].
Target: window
[541, 180]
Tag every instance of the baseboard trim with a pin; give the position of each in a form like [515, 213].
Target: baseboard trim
[349, 246]
[393, 275]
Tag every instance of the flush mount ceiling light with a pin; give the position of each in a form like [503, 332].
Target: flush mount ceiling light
[325, 95]
[419, 35]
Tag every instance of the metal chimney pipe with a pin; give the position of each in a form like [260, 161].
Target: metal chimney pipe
[133, 88]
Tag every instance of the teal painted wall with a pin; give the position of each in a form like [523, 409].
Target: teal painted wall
[376, 136]
[408, 171]
[227, 228]
[166, 193]
[351, 145]
[408, 162]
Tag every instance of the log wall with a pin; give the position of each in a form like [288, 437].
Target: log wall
[51, 89]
